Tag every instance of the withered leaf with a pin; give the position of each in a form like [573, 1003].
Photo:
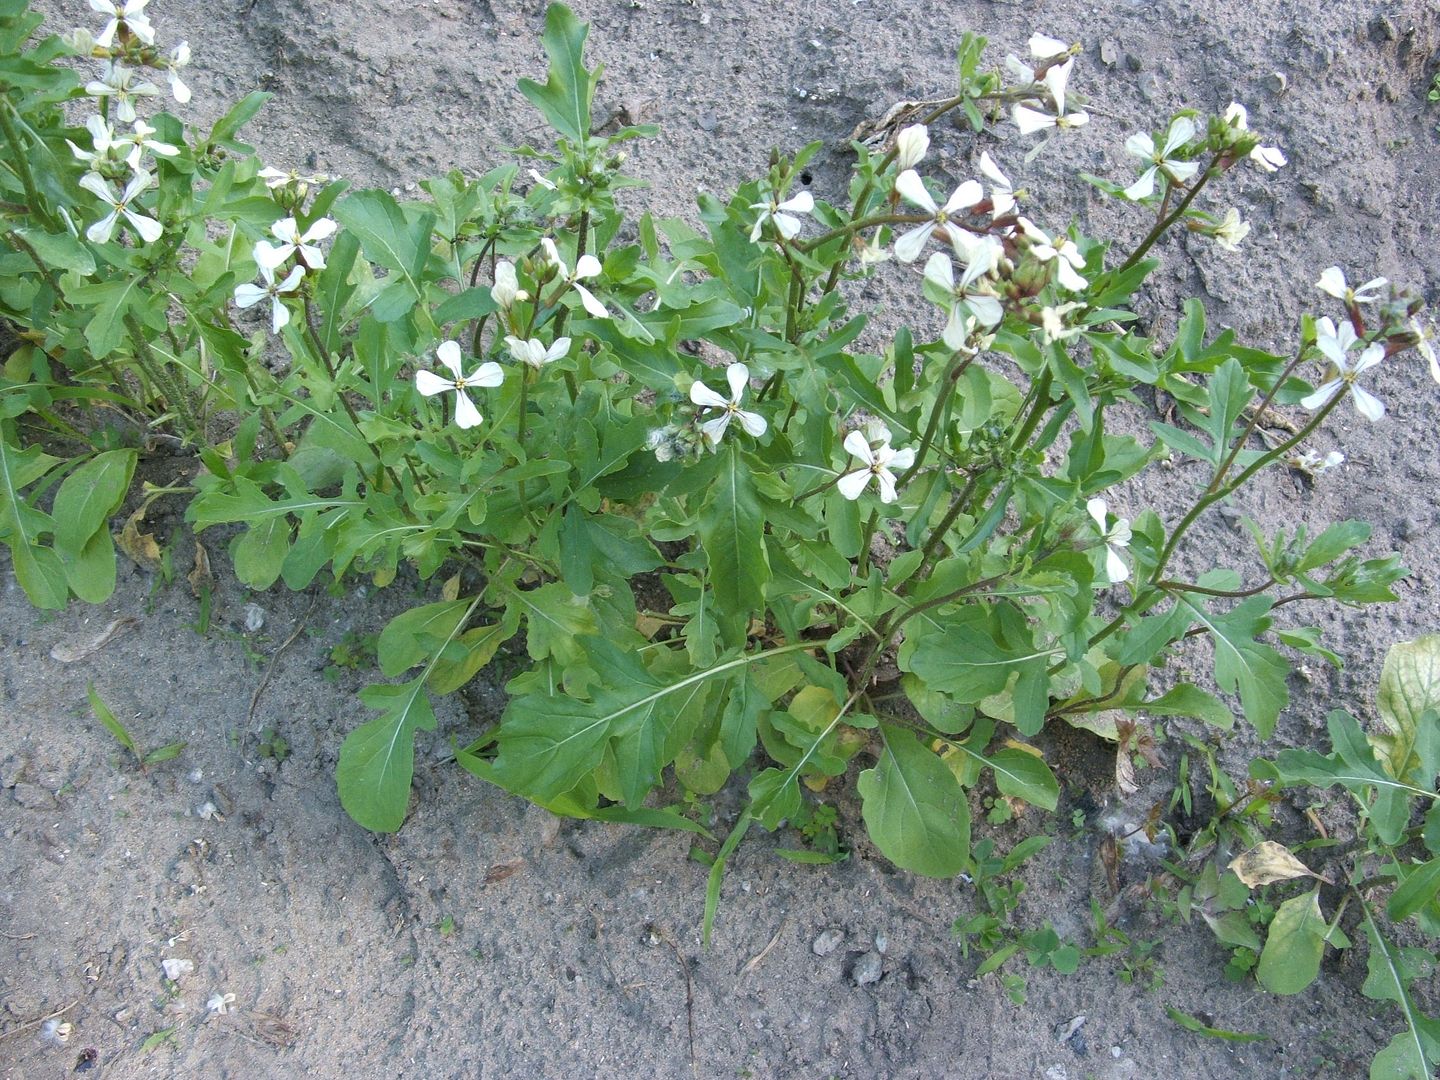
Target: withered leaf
[1268, 862]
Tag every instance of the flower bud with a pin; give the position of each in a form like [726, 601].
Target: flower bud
[910, 146]
[79, 41]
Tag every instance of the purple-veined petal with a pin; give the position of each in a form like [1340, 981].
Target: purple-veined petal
[102, 230]
[279, 315]
[714, 429]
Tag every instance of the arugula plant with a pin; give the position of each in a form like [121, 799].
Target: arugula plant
[656, 454]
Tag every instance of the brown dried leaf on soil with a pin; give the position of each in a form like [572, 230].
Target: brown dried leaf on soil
[1269, 862]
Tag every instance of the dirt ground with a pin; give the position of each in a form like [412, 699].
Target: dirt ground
[487, 938]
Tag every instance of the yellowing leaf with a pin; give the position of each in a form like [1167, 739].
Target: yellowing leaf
[1268, 862]
[140, 546]
[1409, 687]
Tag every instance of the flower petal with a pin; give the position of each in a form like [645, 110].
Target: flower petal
[940, 271]
[1182, 130]
[427, 382]
[714, 430]
[966, 195]
[1097, 511]
[1029, 121]
[586, 267]
[1115, 567]
[489, 374]
[909, 246]
[1322, 394]
[248, 295]
[738, 376]
[912, 190]
[466, 414]
[858, 446]
[448, 353]
[590, 304]
[1144, 187]
[802, 203]
[1370, 407]
[753, 423]
[149, 229]
[901, 460]
[279, 315]
[706, 398]
[852, 484]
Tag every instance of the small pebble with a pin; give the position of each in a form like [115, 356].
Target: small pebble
[868, 969]
[827, 942]
[882, 942]
[254, 618]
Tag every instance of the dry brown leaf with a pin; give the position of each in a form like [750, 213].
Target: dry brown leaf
[649, 625]
[200, 578]
[501, 871]
[1125, 771]
[68, 654]
[138, 545]
[1268, 862]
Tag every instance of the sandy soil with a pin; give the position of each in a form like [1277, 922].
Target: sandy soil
[489, 939]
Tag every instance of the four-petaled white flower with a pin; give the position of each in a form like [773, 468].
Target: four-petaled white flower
[139, 141]
[534, 353]
[1332, 281]
[100, 233]
[966, 299]
[249, 294]
[219, 1004]
[1042, 48]
[879, 463]
[1002, 192]
[738, 376]
[1312, 464]
[488, 374]
[278, 178]
[129, 12]
[506, 291]
[1052, 322]
[782, 213]
[910, 146]
[1335, 343]
[587, 266]
[1182, 130]
[1424, 335]
[102, 136]
[118, 81]
[292, 240]
[1030, 120]
[1116, 537]
[912, 190]
[1231, 230]
[179, 58]
[1066, 256]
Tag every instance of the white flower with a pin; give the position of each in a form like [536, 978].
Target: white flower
[1002, 192]
[1052, 321]
[1312, 464]
[534, 352]
[102, 136]
[738, 376]
[79, 41]
[248, 294]
[782, 214]
[129, 12]
[1066, 256]
[1332, 281]
[291, 240]
[1042, 48]
[277, 178]
[219, 1004]
[1269, 158]
[179, 58]
[118, 81]
[910, 146]
[965, 300]
[1116, 537]
[487, 374]
[1335, 344]
[878, 465]
[1423, 337]
[1182, 130]
[542, 180]
[1237, 116]
[912, 190]
[1231, 230]
[506, 291]
[586, 267]
[100, 233]
[174, 967]
[140, 141]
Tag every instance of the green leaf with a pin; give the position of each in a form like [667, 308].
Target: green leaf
[566, 96]
[1187, 699]
[259, 552]
[1293, 948]
[110, 301]
[60, 250]
[914, 808]
[1256, 670]
[1409, 689]
[480, 645]
[112, 724]
[1418, 889]
[89, 496]
[90, 572]
[1022, 775]
[554, 620]
[38, 569]
[412, 636]
[164, 753]
[1189, 1023]
[377, 759]
[1414, 1053]
[968, 661]
[732, 533]
[389, 239]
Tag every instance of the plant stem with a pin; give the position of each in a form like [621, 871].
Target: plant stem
[1255, 415]
[958, 364]
[174, 394]
[863, 562]
[1039, 403]
[22, 163]
[808, 246]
